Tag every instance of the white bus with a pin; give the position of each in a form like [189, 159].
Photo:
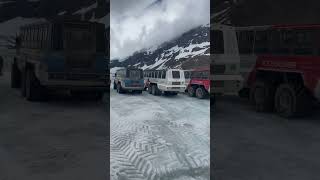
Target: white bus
[169, 82]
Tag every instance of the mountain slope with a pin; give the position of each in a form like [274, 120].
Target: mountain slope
[192, 44]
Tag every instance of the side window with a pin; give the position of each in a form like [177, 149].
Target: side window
[282, 41]
[218, 43]
[245, 42]
[163, 74]
[304, 42]
[262, 40]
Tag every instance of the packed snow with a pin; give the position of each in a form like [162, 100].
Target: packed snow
[159, 137]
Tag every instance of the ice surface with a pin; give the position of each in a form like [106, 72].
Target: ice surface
[155, 137]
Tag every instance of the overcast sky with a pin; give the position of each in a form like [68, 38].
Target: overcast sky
[139, 24]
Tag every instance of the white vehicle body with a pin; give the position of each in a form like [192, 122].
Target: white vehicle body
[225, 61]
[171, 80]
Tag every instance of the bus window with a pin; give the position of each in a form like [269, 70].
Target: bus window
[281, 41]
[175, 74]
[245, 42]
[261, 45]
[163, 74]
[303, 45]
[218, 44]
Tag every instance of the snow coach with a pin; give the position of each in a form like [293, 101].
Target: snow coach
[280, 65]
[129, 80]
[60, 54]
[167, 82]
[199, 84]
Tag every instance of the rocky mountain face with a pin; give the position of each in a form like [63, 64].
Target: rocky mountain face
[189, 50]
[265, 12]
[51, 9]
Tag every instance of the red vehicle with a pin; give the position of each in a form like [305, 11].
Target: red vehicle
[199, 84]
[281, 67]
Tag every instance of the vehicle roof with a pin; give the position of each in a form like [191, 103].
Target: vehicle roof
[280, 26]
[59, 21]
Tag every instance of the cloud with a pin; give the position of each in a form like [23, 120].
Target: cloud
[141, 24]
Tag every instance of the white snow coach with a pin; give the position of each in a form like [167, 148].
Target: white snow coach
[168, 82]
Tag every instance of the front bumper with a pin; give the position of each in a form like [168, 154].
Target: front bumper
[172, 88]
[133, 88]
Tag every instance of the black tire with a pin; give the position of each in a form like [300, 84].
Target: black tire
[153, 90]
[292, 100]
[262, 96]
[174, 93]
[200, 93]
[150, 89]
[191, 91]
[15, 76]
[34, 90]
[119, 89]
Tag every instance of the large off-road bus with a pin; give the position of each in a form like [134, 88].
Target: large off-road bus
[128, 79]
[281, 67]
[199, 84]
[60, 54]
[167, 82]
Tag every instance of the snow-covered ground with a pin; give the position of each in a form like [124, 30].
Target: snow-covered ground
[155, 137]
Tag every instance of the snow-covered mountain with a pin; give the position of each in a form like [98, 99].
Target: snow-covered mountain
[192, 46]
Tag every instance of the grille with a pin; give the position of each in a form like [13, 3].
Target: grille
[175, 83]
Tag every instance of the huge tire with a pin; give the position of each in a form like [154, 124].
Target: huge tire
[200, 93]
[34, 90]
[191, 91]
[292, 100]
[150, 89]
[155, 90]
[262, 96]
[119, 89]
[15, 76]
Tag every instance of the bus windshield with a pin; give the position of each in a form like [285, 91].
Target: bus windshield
[79, 40]
[175, 74]
[135, 74]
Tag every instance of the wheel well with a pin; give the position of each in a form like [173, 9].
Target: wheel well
[277, 78]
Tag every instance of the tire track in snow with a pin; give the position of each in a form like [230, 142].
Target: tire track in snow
[156, 147]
